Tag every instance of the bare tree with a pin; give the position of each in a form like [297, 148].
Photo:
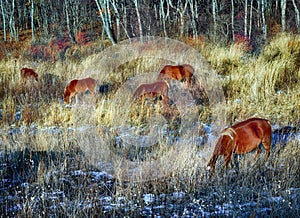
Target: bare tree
[44, 17]
[164, 16]
[12, 27]
[246, 18]
[138, 17]
[250, 19]
[232, 19]
[104, 12]
[117, 16]
[32, 20]
[214, 11]
[4, 21]
[68, 22]
[264, 25]
[283, 15]
[297, 14]
[195, 15]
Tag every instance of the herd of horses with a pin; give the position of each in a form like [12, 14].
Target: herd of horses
[240, 138]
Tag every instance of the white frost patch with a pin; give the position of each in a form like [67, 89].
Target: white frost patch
[25, 185]
[100, 175]
[177, 195]
[293, 192]
[149, 198]
[250, 204]
[79, 173]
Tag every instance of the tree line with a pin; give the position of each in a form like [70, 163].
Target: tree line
[121, 19]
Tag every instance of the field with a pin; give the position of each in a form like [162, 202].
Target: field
[111, 157]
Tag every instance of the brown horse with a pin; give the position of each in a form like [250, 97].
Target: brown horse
[79, 86]
[167, 108]
[154, 89]
[27, 73]
[178, 72]
[242, 138]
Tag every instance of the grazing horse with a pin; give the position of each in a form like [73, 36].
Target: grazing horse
[27, 73]
[79, 86]
[242, 138]
[178, 72]
[154, 89]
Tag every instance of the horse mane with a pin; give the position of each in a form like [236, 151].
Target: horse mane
[228, 132]
[68, 89]
[166, 82]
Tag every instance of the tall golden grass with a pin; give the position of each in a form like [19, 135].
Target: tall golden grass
[265, 86]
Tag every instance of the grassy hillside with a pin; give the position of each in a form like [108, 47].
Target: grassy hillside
[49, 151]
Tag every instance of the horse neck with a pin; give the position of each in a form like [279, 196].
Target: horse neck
[67, 91]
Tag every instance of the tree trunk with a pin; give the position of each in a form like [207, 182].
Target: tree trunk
[232, 19]
[163, 17]
[105, 21]
[193, 8]
[4, 21]
[283, 15]
[139, 18]
[250, 21]
[45, 17]
[264, 25]
[12, 24]
[246, 18]
[117, 15]
[214, 12]
[297, 14]
[72, 38]
[32, 21]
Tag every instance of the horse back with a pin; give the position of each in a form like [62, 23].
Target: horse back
[27, 72]
[251, 132]
[188, 68]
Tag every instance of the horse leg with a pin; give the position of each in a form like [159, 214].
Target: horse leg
[227, 160]
[235, 162]
[257, 152]
[267, 144]
[76, 98]
[212, 164]
[71, 96]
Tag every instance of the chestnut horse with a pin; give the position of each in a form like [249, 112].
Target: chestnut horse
[79, 86]
[178, 72]
[154, 89]
[242, 138]
[27, 73]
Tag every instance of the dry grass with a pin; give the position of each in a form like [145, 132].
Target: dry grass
[60, 140]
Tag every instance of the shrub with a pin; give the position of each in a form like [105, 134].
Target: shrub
[282, 55]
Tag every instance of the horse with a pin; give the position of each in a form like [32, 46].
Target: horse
[79, 86]
[177, 72]
[156, 88]
[27, 73]
[242, 138]
[157, 92]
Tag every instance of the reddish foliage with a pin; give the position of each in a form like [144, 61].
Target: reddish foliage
[197, 41]
[82, 38]
[244, 41]
[39, 52]
[60, 43]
